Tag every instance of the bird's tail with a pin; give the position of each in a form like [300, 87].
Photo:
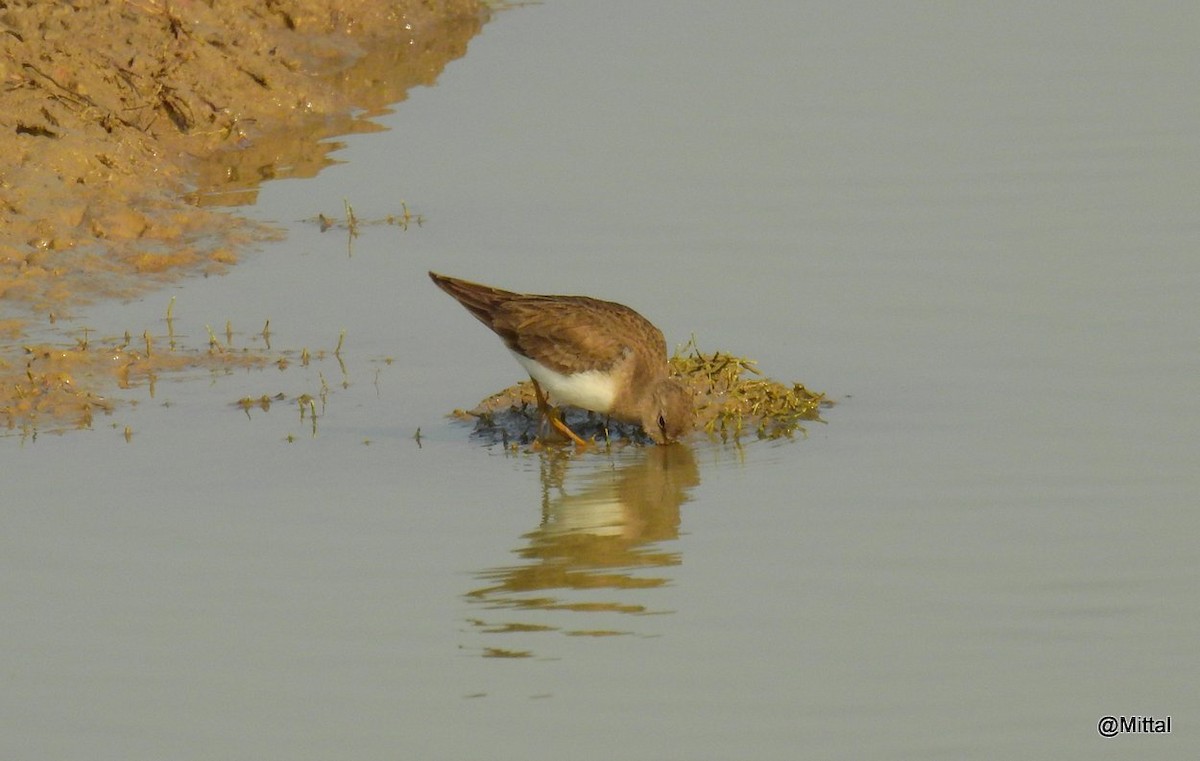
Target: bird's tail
[480, 300]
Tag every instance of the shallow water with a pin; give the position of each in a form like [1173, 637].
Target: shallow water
[975, 229]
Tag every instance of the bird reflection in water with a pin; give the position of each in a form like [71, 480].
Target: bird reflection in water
[600, 541]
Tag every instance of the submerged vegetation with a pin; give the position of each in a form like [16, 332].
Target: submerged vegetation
[733, 400]
[53, 380]
[55, 386]
[352, 223]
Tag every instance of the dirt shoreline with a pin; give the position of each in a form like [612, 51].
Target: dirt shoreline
[126, 126]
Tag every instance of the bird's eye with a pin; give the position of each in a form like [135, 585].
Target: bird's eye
[662, 423]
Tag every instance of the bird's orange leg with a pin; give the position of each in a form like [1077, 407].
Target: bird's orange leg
[551, 416]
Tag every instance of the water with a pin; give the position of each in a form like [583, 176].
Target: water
[974, 228]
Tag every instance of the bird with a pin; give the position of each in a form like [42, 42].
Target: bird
[597, 355]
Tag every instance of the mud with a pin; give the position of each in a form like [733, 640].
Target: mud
[128, 129]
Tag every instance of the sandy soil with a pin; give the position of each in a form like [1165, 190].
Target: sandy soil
[126, 126]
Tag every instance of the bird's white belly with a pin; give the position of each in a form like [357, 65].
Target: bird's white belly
[591, 390]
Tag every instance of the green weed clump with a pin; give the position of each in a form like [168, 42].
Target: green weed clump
[733, 399]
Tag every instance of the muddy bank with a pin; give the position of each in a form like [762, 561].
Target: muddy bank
[126, 127]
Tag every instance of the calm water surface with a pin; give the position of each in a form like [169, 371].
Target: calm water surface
[975, 229]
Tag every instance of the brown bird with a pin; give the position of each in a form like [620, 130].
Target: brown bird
[586, 353]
